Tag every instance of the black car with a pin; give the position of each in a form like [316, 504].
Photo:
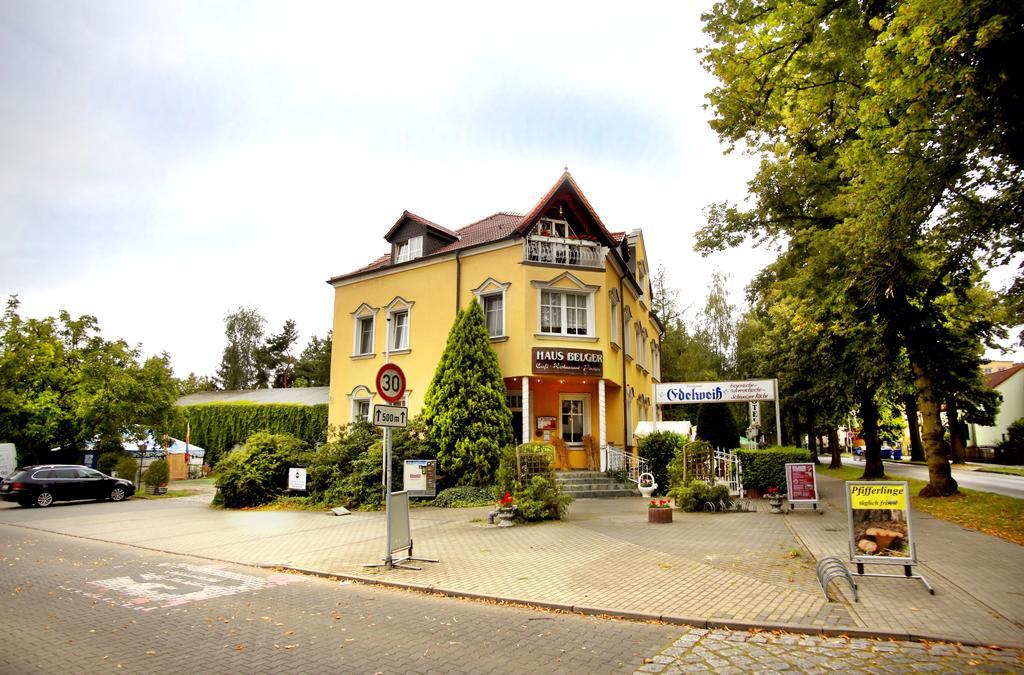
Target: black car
[45, 484]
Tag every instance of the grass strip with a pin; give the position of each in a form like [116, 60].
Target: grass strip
[997, 515]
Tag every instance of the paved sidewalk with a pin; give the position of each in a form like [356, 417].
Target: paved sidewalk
[734, 570]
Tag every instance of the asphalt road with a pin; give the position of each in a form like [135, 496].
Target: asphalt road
[1012, 486]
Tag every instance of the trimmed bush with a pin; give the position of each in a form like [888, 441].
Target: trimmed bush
[156, 473]
[696, 493]
[464, 495]
[658, 449]
[127, 467]
[537, 496]
[766, 468]
[107, 461]
[218, 427]
[257, 472]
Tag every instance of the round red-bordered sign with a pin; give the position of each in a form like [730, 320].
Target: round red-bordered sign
[390, 383]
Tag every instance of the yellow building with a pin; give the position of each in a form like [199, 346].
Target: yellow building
[568, 308]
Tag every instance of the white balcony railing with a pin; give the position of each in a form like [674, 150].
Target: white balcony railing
[568, 252]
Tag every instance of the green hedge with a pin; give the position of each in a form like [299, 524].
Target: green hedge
[766, 468]
[218, 427]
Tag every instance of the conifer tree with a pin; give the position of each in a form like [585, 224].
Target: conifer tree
[465, 410]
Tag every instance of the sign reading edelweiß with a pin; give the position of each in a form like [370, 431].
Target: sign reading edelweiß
[715, 392]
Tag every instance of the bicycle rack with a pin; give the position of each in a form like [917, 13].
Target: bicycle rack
[830, 568]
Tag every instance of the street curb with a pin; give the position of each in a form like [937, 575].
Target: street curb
[629, 615]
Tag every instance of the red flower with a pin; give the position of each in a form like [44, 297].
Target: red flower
[663, 502]
[506, 500]
[654, 502]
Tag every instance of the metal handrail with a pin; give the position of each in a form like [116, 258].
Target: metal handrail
[563, 252]
[619, 460]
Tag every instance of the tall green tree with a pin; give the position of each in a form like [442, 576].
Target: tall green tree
[275, 363]
[313, 368]
[62, 384]
[889, 132]
[465, 410]
[243, 329]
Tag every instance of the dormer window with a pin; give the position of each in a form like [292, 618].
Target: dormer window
[410, 249]
[549, 227]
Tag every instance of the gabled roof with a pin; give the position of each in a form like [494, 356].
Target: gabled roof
[566, 186]
[993, 380]
[503, 225]
[409, 215]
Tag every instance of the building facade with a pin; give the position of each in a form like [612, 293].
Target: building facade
[567, 305]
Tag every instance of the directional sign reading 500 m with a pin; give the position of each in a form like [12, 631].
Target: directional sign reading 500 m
[390, 383]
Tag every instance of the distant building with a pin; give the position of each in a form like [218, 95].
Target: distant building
[1009, 382]
[990, 367]
[567, 304]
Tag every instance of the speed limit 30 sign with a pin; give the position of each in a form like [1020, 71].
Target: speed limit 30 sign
[390, 383]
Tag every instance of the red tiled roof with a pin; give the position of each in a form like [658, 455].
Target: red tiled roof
[993, 380]
[492, 228]
[618, 236]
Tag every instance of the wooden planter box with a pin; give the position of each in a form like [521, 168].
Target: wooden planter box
[659, 515]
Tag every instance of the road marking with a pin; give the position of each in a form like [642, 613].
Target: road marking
[176, 584]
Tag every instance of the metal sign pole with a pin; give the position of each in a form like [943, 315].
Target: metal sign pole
[387, 497]
[778, 417]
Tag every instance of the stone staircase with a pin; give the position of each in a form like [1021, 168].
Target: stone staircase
[584, 484]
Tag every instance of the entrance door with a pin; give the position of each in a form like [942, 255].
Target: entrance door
[575, 422]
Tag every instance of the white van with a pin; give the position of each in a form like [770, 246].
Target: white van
[8, 459]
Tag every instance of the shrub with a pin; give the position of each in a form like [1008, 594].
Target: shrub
[462, 496]
[107, 461]
[257, 472]
[696, 454]
[537, 495]
[127, 467]
[717, 426]
[218, 427]
[1011, 449]
[541, 499]
[693, 495]
[156, 473]
[766, 468]
[659, 449]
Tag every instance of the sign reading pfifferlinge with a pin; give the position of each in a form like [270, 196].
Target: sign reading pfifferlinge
[715, 392]
[561, 361]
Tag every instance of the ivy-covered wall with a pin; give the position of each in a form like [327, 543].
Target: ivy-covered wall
[217, 427]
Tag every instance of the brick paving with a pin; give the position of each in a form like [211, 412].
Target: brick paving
[735, 570]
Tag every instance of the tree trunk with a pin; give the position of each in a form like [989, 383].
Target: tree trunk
[835, 449]
[873, 467]
[956, 436]
[916, 448]
[812, 434]
[940, 478]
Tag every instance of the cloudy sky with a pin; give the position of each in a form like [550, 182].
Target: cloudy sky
[163, 163]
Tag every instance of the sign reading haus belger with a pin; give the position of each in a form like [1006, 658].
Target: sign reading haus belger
[561, 361]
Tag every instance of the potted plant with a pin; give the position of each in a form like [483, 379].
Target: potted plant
[659, 511]
[647, 485]
[506, 510]
[774, 498]
[155, 478]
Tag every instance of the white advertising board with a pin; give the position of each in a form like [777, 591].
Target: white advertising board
[296, 479]
[715, 392]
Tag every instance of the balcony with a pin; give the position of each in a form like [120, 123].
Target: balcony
[565, 252]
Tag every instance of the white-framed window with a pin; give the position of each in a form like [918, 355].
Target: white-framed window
[564, 313]
[494, 313]
[627, 325]
[359, 401]
[551, 227]
[491, 296]
[574, 417]
[655, 358]
[565, 309]
[410, 249]
[613, 316]
[641, 277]
[399, 313]
[639, 341]
[363, 330]
[400, 330]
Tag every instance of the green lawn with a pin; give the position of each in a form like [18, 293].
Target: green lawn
[998, 515]
[1011, 470]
